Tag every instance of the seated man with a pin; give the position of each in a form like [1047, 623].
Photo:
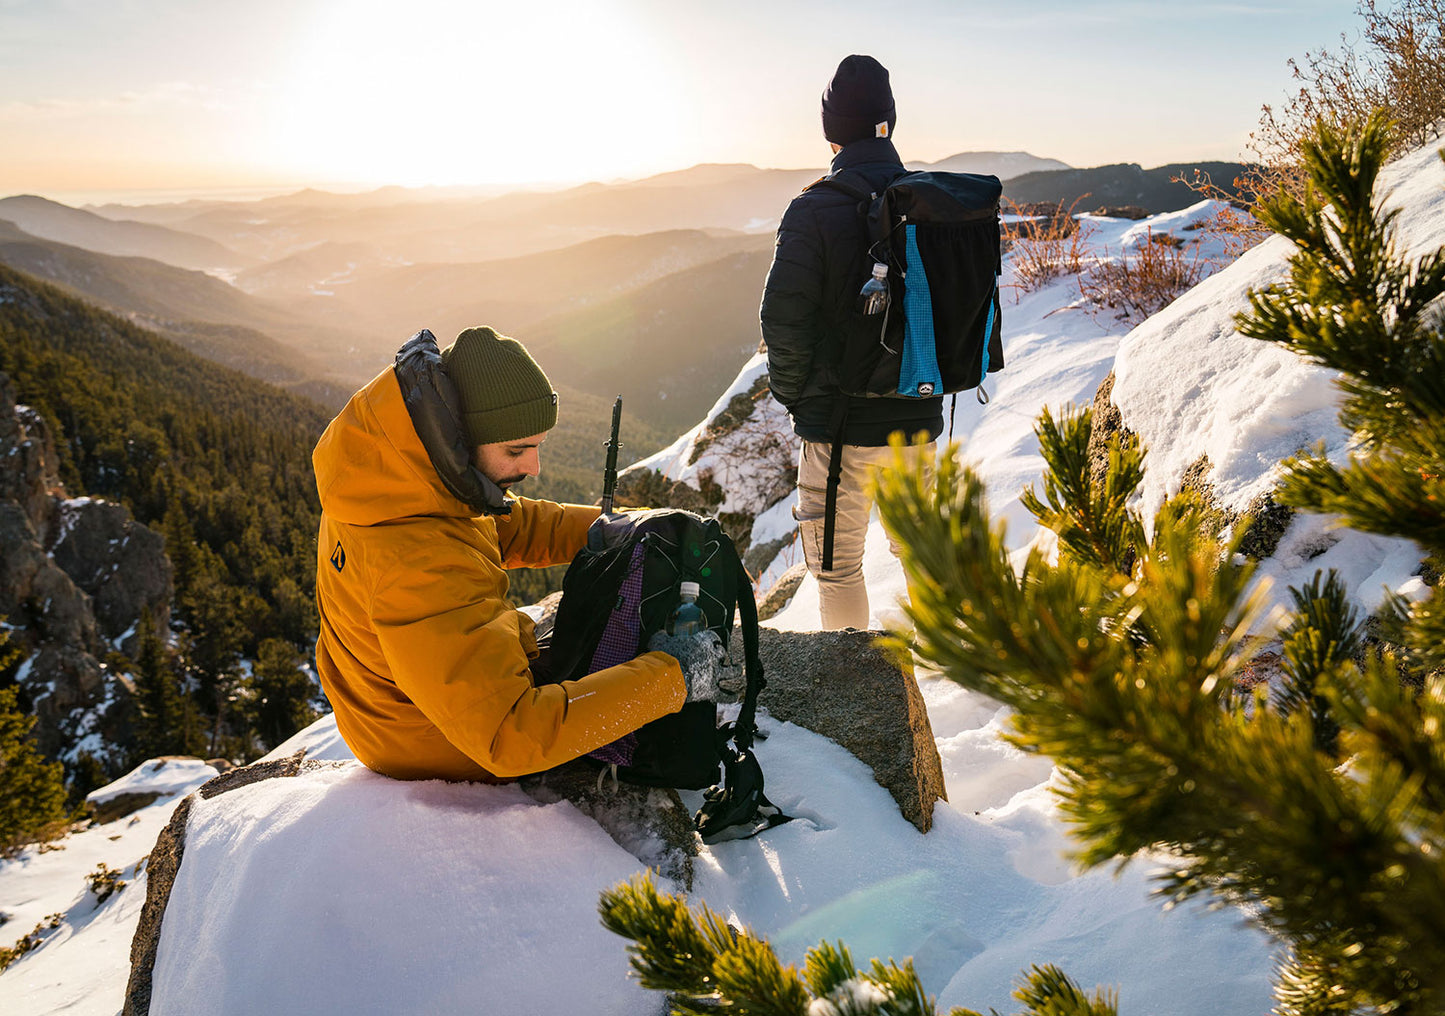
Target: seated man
[427, 664]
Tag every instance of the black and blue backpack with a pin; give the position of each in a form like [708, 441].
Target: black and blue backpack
[939, 235]
[941, 331]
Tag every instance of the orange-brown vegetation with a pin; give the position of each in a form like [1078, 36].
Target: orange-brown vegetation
[1046, 243]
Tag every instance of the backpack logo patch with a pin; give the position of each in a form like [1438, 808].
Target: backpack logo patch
[880, 130]
[338, 557]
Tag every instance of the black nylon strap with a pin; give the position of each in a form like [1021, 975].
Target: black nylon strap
[753, 661]
[844, 181]
[835, 477]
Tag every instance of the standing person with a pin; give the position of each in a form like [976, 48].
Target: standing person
[428, 666]
[809, 300]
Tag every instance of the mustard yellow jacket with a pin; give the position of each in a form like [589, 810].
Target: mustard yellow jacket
[424, 660]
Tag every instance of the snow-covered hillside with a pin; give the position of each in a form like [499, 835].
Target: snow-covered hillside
[1190, 385]
[347, 892]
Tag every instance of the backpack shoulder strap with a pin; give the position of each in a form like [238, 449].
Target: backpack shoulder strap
[850, 183]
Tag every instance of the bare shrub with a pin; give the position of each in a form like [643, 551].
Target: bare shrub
[1233, 224]
[1045, 247]
[1398, 67]
[1138, 284]
[1397, 64]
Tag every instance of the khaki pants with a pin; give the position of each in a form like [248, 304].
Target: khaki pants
[842, 594]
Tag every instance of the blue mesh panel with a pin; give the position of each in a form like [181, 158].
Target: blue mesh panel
[918, 374]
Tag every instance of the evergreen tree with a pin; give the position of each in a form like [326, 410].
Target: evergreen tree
[221, 463]
[218, 635]
[1352, 303]
[1119, 658]
[281, 692]
[160, 697]
[180, 539]
[32, 791]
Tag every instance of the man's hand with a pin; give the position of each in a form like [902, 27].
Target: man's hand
[701, 656]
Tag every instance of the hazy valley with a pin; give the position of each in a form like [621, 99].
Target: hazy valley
[645, 288]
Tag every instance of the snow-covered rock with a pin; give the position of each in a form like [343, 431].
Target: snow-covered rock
[1190, 385]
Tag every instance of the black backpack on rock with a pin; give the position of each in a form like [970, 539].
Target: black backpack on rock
[619, 591]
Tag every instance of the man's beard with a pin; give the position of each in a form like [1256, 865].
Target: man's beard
[507, 483]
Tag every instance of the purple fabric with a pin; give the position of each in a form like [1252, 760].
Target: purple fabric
[619, 643]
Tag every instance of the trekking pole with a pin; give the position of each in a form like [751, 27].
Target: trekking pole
[609, 473]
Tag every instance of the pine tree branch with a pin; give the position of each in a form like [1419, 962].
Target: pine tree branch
[1093, 521]
[1127, 690]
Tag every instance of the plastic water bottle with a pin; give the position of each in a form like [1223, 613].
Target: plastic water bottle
[687, 618]
[873, 297]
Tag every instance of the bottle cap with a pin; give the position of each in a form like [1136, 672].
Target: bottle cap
[689, 589]
[880, 270]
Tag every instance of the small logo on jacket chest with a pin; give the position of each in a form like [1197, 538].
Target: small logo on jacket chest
[338, 557]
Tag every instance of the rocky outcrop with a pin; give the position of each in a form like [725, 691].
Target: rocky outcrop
[1134, 212]
[119, 562]
[741, 463]
[76, 576]
[161, 868]
[650, 823]
[1264, 520]
[1107, 421]
[51, 622]
[781, 593]
[27, 471]
[842, 685]
[43, 604]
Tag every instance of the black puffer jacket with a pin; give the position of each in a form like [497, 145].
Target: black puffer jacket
[819, 264]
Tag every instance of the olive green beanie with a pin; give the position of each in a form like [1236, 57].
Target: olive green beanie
[504, 394]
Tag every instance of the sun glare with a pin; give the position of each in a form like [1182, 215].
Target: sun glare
[451, 92]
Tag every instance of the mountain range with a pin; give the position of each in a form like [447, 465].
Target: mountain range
[51, 220]
[644, 288]
[1162, 189]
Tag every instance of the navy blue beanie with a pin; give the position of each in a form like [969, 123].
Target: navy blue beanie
[858, 102]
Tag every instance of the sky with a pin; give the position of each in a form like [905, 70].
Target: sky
[989, 890]
[207, 95]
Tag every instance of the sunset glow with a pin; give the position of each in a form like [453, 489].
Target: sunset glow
[461, 92]
[171, 94]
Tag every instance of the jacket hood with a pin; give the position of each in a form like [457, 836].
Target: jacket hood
[396, 450]
[370, 465]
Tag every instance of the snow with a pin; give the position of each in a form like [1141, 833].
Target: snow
[343, 891]
[83, 965]
[172, 777]
[129, 633]
[70, 511]
[22, 673]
